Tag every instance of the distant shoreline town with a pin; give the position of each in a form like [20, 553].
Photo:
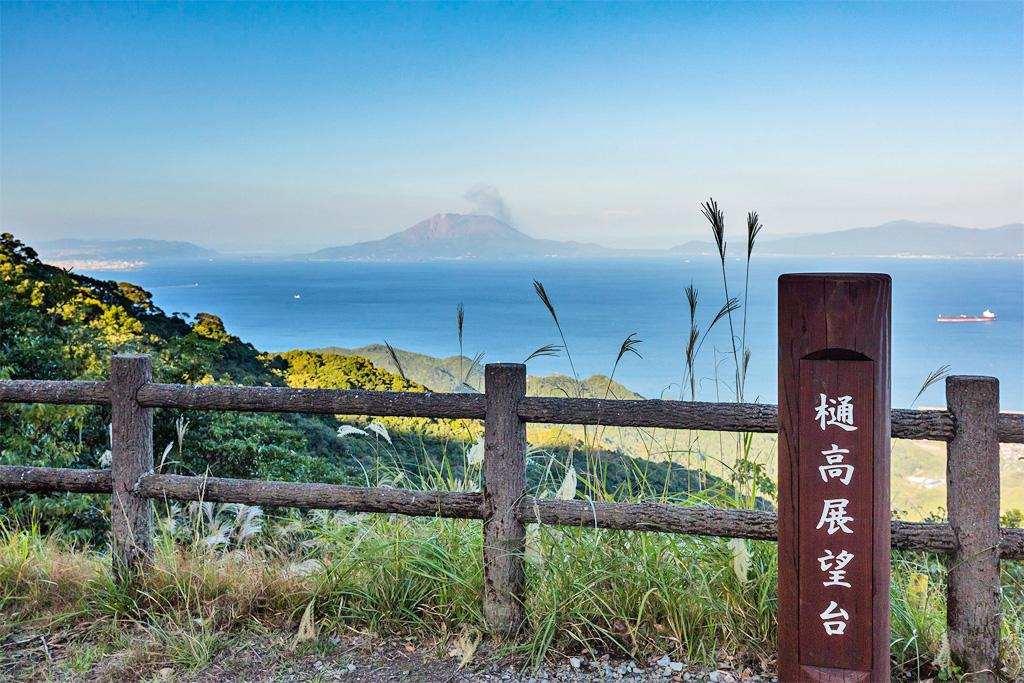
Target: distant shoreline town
[96, 265]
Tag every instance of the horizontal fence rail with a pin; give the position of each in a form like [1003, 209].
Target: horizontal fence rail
[321, 401]
[971, 426]
[655, 517]
[55, 391]
[54, 479]
[934, 425]
[313, 496]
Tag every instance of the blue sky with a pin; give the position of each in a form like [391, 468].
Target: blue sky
[280, 125]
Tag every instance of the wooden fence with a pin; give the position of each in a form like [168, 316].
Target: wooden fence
[971, 426]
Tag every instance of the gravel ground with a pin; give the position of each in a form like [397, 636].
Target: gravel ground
[354, 658]
[364, 660]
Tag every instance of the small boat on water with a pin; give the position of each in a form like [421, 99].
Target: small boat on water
[987, 316]
[296, 296]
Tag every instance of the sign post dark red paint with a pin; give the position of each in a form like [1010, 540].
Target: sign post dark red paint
[834, 553]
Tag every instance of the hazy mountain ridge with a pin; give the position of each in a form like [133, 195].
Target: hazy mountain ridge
[454, 374]
[895, 238]
[453, 236]
[474, 236]
[460, 236]
[138, 251]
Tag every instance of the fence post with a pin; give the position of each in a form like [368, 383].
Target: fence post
[131, 450]
[972, 496]
[504, 473]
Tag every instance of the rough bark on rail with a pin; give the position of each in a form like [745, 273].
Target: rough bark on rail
[58, 392]
[1010, 428]
[729, 417]
[935, 538]
[726, 417]
[53, 479]
[323, 401]
[1011, 544]
[935, 425]
[312, 496]
[650, 517]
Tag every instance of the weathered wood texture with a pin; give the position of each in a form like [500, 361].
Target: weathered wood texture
[932, 425]
[131, 450]
[928, 537]
[649, 517]
[1009, 428]
[1011, 543]
[51, 479]
[936, 425]
[972, 480]
[504, 473]
[726, 417]
[837, 318]
[312, 496]
[323, 401]
[50, 391]
[755, 525]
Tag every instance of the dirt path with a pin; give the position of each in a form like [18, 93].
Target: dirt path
[362, 661]
[352, 658]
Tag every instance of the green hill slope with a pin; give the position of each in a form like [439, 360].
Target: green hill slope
[460, 373]
[437, 374]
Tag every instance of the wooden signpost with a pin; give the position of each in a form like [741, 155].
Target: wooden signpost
[834, 553]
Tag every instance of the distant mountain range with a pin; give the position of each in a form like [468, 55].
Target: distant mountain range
[119, 253]
[459, 236]
[896, 238]
[453, 236]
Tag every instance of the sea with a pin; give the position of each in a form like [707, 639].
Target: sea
[282, 305]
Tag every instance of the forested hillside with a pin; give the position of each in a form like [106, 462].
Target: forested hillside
[59, 325]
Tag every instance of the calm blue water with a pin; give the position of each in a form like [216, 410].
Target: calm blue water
[412, 305]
